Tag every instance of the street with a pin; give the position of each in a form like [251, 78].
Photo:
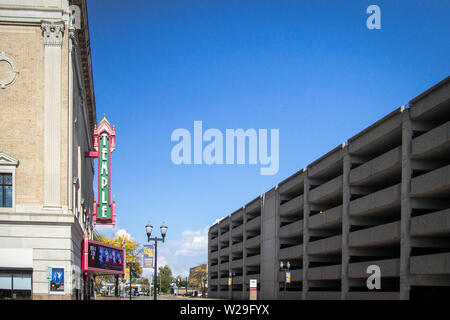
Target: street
[150, 298]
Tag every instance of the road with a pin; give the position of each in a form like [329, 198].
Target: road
[161, 297]
[169, 297]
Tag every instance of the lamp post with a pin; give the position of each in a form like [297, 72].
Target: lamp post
[148, 230]
[132, 261]
[231, 275]
[285, 269]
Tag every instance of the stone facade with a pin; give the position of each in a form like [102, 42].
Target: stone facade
[46, 124]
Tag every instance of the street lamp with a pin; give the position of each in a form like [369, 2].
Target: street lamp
[148, 230]
[230, 282]
[285, 269]
[131, 263]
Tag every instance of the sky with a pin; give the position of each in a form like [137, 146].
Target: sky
[311, 69]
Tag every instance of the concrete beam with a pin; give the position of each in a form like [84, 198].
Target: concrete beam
[375, 167]
[377, 201]
[384, 234]
[326, 246]
[432, 224]
[329, 218]
[430, 280]
[432, 184]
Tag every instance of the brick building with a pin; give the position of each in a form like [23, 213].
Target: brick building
[47, 117]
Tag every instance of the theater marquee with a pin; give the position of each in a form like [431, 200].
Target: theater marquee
[102, 258]
[104, 145]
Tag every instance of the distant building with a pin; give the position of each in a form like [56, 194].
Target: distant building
[381, 199]
[47, 118]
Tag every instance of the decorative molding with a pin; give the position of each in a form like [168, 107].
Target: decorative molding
[6, 160]
[14, 70]
[53, 33]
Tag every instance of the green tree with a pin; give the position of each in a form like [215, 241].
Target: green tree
[145, 284]
[164, 279]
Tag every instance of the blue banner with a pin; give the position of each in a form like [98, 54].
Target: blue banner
[148, 256]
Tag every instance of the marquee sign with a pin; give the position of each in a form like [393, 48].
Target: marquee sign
[104, 145]
[102, 258]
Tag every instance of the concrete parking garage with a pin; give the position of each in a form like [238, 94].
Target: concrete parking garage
[381, 198]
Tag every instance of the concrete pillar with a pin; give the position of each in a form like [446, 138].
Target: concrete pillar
[306, 213]
[346, 195]
[230, 270]
[269, 246]
[277, 241]
[406, 209]
[244, 255]
[219, 260]
[53, 33]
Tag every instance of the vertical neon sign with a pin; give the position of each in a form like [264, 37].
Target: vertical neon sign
[104, 145]
[105, 208]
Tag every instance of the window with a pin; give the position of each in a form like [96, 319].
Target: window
[6, 190]
[5, 286]
[15, 285]
[8, 167]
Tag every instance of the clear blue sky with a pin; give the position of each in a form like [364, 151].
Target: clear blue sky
[311, 69]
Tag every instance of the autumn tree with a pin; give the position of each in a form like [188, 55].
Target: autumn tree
[132, 256]
[198, 277]
[180, 282]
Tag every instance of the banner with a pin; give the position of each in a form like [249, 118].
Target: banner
[288, 277]
[148, 256]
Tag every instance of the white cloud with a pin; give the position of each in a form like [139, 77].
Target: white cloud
[162, 261]
[193, 244]
[123, 233]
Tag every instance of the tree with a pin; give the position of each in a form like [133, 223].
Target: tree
[198, 277]
[132, 257]
[145, 284]
[164, 279]
[180, 282]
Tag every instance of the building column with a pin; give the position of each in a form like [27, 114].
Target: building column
[276, 267]
[406, 208]
[230, 256]
[306, 213]
[219, 261]
[345, 223]
[244, 255]
[53, 33]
